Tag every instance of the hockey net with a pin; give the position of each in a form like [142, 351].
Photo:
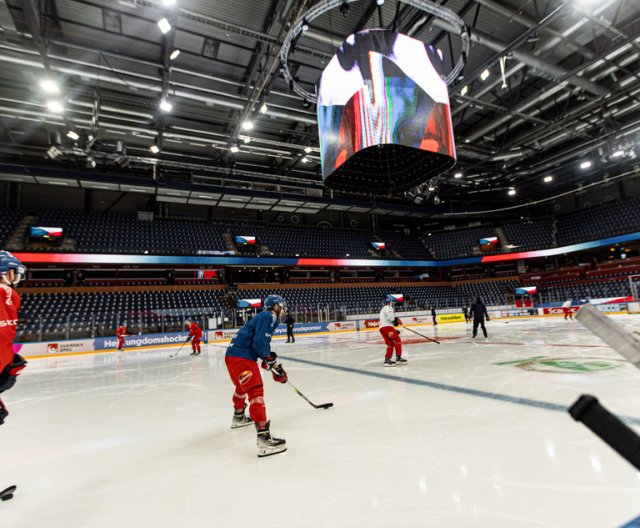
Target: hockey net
[634, 283]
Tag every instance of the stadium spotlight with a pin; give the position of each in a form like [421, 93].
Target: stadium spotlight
[344, 8]
[585, 165]
[264, 108]
[465, 90]
[165, 105]
[305, 25]
[617, 154]
[485, 74]
[380, 2]
[72, 134]
[247, 125]
[55, 106]
[174, 54]
[512, 191]
[234, 148]
[164, 25]
[169, 2]
[307, 150]
[457, 175]
[548, 179]
[49, 86]
[304, 160]
[246, 139]
[154, 148]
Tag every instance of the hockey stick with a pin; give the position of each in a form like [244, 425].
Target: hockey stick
[421, 335]
[322, 406]
[174, 355]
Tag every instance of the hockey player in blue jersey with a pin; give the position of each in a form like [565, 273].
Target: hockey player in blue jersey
[252, 344]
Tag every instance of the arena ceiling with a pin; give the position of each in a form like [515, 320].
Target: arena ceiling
[548, 86]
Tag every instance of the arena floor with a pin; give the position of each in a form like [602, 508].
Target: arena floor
[471, 433]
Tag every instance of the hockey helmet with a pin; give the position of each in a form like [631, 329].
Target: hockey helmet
[271, 301]
[9, 262]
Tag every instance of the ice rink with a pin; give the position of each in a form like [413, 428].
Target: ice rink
[471, 433]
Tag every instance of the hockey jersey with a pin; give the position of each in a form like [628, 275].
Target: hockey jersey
[195, 331]
[122, 331]
[9, 306]
[387, 316]
[253, 341]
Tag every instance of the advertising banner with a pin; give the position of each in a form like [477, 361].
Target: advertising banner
[450, 318]
[53, 347]
[146, 340]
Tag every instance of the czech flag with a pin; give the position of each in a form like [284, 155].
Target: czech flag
[51, 232]
[399, 297]
[248, 240]
[249, 303]
[527, 290]
[379, 245]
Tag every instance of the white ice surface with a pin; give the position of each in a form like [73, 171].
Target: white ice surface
[450, 440]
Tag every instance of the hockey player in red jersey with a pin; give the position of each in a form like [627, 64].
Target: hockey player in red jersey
[390, 335]
[195, 335]
[121, 332]
[252, 344]
[11, 272]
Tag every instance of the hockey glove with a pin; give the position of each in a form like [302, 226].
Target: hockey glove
[10, 373]
[279, 374]
[397, 322]
[488, 318]
[270, 361]
[3, 412]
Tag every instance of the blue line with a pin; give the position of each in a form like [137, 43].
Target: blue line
[629, 420]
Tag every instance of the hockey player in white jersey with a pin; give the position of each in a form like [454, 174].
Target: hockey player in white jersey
[390, 335]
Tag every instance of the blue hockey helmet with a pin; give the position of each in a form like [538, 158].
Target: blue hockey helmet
[390, 299]
[271, 301]
[9, 262]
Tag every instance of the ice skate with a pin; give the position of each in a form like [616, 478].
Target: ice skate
[388, 362]
[268, 445]
[400, 360]
[240, 419]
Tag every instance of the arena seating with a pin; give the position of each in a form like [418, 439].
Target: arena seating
[530, 234]
[9, 220]
[458, 242]
[100, 313]
[591, 290]
[125, 233]
[605, 220]
[407, 247]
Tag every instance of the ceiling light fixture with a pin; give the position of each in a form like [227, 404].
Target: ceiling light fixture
[485, 74]
[164, 25]
[380, 2]
[304, 160]
[511, 191]
[169, 2]
[305, 25]
[165, 105]
[585, 165]
[234, 148]
[548, 179]
[307, 150]
[73, 135]
[617, 154]
[457, 175]
[49, 86]
[465, 90]
[264, 108]
[154, 148]
[55, 106]
[174, 54]
[247, 125]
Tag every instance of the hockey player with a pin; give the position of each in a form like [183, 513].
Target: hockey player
[289, 321]
[434, 316]
[121, 332]
[479, 312]
[390, 335]
[566, 308]
[251, 344]
[11, 273]
[195, 335]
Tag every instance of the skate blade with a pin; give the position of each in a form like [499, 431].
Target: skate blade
[389, 364]
[238, 426]
[265, 453]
